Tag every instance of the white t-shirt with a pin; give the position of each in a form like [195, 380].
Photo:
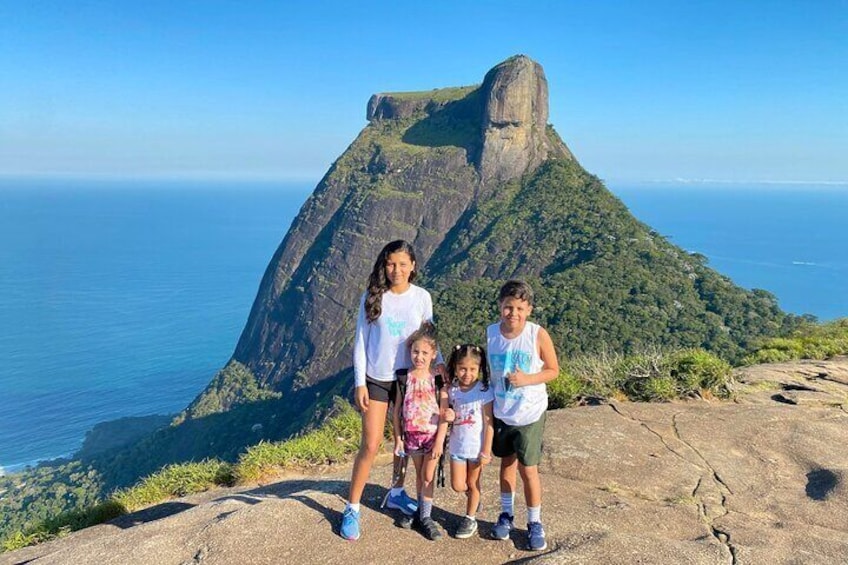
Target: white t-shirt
[466, 439]
[379, 348]
[516, 406]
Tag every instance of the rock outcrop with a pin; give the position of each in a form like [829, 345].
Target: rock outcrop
[754, 481]
[515, 121]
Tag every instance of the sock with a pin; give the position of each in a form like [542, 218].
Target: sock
[471, 517]
[425, 507]
[534, 514]
[396, 491]
[355, 507]
[506, 503]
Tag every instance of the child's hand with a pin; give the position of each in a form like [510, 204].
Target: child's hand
[484, 459]
[398, 450]
[518, 378]
[449, 415]
[437, 451]
[360, 396]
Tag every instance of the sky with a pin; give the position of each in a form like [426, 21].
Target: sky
[640, 91]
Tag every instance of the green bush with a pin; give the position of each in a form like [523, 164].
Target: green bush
[565, 390]
[696, 370]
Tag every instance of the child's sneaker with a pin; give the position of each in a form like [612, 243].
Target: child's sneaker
[466, 529]
[502, 528]
[402, 502]
[429, 528]
[350, 524]
[536, 533]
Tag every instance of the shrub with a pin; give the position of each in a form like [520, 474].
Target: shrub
[565, 390]
[696, 370]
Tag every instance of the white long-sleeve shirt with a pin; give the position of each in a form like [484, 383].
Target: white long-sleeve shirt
[379, 348]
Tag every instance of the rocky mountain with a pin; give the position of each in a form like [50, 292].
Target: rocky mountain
[485, 189]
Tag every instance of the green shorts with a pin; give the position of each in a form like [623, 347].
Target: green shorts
[523, 441]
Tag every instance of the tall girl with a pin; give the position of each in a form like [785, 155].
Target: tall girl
[391, 309]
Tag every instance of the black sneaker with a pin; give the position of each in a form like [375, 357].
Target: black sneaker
[466, 528]
[407, 522]
[429, 528]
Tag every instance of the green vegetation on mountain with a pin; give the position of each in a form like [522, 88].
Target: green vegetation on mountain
[809, 341]
[604, 281]
[234, 385]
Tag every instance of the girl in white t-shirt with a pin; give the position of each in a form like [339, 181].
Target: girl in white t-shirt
[468, 404]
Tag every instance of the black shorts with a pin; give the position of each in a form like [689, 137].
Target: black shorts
[381, 391]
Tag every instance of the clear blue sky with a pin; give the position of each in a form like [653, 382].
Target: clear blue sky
[751, 90]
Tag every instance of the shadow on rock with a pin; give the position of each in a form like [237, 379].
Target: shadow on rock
[151, 514]
[820, 483]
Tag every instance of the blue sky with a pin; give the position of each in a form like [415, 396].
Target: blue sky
[736, 91]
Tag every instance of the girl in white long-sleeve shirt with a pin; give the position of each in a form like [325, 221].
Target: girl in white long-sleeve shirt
[390, 311]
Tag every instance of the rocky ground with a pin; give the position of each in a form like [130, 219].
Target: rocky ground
[758, 480]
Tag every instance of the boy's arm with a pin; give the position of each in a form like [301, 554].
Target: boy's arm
[488, 434]
[550, 364]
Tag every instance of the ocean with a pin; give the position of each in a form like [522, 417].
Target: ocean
[123, 298]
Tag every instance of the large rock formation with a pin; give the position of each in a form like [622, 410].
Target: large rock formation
[515, 121]
[759, 480]
[463, 142]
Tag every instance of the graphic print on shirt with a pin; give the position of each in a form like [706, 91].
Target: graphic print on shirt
[395, 326]
[505, 363]
[465, 417]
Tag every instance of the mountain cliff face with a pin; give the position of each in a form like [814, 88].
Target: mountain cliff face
[423, 160]
[485, 190]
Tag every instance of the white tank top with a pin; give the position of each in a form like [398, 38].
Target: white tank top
[516, 406]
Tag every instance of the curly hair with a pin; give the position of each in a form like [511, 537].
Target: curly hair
[461, 352]
[378, 283]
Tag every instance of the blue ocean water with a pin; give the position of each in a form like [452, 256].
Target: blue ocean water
[123, 298]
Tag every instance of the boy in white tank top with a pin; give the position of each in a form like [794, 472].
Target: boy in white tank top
[522, 359]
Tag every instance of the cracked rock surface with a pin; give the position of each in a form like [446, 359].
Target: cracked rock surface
[758, 480]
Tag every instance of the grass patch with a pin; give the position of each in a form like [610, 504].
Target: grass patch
[652, 376]
[810, 341]
[175, 481]
[333, 442]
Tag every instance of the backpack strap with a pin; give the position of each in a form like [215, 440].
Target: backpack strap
[440, 469]
[402, 376]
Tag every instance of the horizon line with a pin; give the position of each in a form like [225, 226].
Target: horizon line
[303, 176]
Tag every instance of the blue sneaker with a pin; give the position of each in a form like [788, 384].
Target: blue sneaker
[502, 528]
[350, 524]
[402, 502]
[536, 533]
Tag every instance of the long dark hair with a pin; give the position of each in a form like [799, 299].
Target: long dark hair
[476, 352]
[378, 283]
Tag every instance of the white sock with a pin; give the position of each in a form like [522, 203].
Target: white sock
[354, 507]
[396, 491]
[534, 514]
[506, 503]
